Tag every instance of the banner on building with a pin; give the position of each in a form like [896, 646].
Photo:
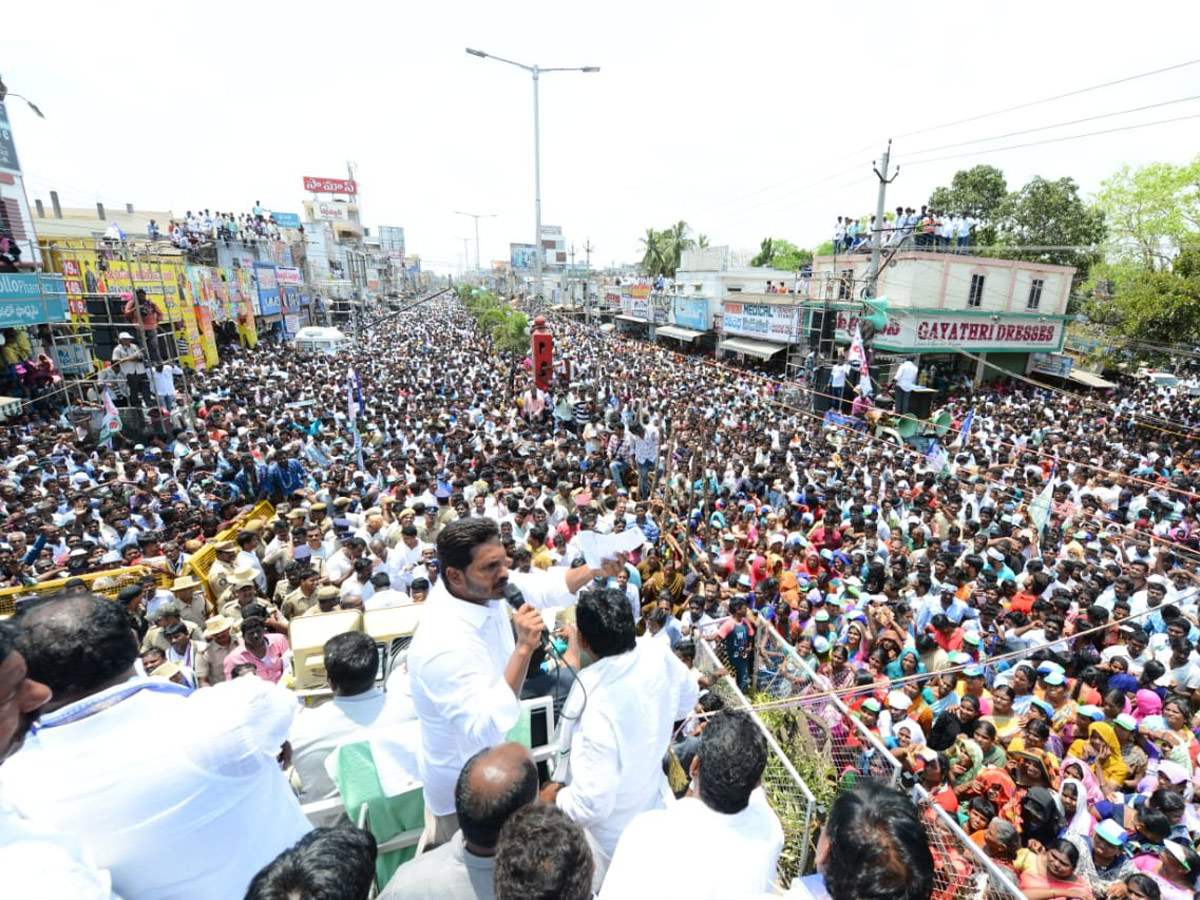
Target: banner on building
[692, 312]
[523, 256]
[330, 185]
[782, 324]
[286, 219]
[269, 302]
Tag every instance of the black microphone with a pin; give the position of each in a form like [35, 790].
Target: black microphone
[516, 599]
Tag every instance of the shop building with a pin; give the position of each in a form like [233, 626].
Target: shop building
[965, 318]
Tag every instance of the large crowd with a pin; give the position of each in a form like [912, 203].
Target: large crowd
[1034, 670]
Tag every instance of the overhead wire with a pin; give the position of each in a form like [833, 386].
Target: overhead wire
[1050, 99]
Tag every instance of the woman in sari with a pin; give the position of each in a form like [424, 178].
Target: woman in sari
[1074, 800]
[1126, 729]
[985, 737]
[966, 762]
[1052, 874]
[1005, 720]
[1102, 751]
[1146, 703]
[1034, 769]
[1174, 870]
[908, 664]
[997, 785]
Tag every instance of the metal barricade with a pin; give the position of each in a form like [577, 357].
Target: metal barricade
[794, 803]
[962, 869]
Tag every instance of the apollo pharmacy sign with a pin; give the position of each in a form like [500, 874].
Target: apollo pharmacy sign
[23, 303]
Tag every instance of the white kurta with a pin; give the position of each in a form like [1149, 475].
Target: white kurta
[456, 667]
[213, 790]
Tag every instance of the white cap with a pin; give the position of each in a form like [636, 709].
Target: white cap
[898, 700]
[124, 336]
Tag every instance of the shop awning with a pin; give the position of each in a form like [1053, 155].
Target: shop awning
[758, 349]
[674, 331]
[637, 319]
[1089, 380]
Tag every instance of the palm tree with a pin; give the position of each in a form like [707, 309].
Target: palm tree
[653, 251]
[677, 241]
[765, 254]
[702, 242]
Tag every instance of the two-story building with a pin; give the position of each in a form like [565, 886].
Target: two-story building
[959, 315]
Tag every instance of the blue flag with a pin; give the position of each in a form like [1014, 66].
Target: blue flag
[965, 431]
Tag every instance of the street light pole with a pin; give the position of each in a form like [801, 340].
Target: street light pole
[536, 72]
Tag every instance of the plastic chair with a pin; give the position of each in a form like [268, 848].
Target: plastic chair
[397, 822]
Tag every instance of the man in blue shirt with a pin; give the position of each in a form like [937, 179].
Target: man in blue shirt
[285, 475]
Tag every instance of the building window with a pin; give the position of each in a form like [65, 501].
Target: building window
[844, 284]
[1035, 293]
[975, 297]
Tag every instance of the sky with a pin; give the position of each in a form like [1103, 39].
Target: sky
[745, 120]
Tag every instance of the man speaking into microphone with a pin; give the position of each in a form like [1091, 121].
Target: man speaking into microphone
[465, 667]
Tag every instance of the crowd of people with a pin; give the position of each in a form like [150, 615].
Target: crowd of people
[932, 230]
[1016, 625]
[202, 226]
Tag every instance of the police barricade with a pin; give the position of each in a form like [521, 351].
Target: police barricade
[961, 868]
[109, 583]
[200, 562]
[786, 790]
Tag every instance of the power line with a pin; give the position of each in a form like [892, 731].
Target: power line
[998, 137]
[1075, 93]
[1069, 137]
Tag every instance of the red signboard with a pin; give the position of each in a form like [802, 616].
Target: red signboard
[330, 185]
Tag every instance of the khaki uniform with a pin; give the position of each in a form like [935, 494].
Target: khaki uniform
[210, 662]
[296, 604]
[155, 637]
[218, 580]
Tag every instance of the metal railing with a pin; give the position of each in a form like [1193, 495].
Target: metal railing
[791, 799]
[961, 868]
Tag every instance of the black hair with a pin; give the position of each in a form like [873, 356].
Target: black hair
[74, 643]
[1147, 885]
[381, 581]
[733, 755]
[351, 661]
[605, 621]
[543, 855]
[1067, 849]
[456, 542]
[325, 864]
[1166, 801]
[177, 628]
[481, 814]
[1154, 822]
[877, 847]
[8, 639]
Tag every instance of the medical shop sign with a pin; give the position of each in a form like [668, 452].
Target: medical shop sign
[766, 321]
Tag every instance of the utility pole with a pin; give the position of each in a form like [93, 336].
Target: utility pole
[880, 204]
[465, 257]
[572, 266]
[587, 301]
[476, 217]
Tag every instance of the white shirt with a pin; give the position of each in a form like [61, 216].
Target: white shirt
[456, 666]
[906, 375]
[837, 375]
[319, 730]
[750, 841]
[39, 862]
[127, 360]
[385, 599]
[221, 792]
[611, 759]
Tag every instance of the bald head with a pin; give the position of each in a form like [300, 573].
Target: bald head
[493, 784]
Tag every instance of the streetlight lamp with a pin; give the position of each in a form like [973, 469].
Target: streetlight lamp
[4, 93]
[535, 71]
[476, 217]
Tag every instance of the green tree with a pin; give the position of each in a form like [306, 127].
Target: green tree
[702, 242]
[512, 336]
[1158, 305]
[677, 240]
[1052, 217]
[654, 246]
[1152, 212]
[766, 253]
[978, 192]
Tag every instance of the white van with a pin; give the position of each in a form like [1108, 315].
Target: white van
[317, 339]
